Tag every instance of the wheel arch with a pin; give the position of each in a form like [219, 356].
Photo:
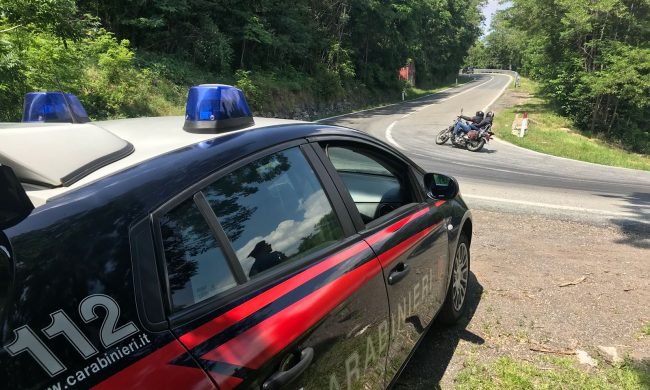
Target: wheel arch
[467, 229]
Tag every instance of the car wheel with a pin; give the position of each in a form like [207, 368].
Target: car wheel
[456, 299]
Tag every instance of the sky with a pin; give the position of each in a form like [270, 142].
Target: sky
[488, 10]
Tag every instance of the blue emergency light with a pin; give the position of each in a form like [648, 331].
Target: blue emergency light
[216, 108]
[53, 107]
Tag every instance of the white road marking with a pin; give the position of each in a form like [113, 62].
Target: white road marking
[548, 205]
[390, 138]
[461, 93]
[480, 165]
[389, 130]
[499, 95]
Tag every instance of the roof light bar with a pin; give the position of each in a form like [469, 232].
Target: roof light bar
[216, 108]
[53, 107]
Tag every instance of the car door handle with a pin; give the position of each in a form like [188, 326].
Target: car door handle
[398, 273]
[282, 378]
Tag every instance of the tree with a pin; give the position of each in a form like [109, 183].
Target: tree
[591, 59]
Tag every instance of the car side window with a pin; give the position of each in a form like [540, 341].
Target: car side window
[378, 183]
[274, 210]
[196, 264]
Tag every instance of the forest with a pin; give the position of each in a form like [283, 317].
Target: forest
[591, 58]
[126, 58]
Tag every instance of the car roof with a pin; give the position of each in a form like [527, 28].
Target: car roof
[46, 157]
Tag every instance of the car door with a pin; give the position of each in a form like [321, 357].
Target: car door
[268, 284]
[405, 229]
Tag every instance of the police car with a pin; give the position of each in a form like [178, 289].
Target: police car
[217, 251]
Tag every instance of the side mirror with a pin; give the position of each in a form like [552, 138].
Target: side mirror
[440, 186]
[14, 202]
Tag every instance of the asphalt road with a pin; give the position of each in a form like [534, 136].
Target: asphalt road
[503, 176]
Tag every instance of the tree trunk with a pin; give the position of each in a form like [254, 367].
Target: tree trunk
[611, 123]
[594, 113]
[243, 50]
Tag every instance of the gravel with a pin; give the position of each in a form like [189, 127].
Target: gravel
[542, 283]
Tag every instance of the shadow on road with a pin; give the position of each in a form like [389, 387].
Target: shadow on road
[637, 233]
[484, 150]
[432, 357]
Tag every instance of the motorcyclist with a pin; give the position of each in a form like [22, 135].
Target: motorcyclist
[487, 120]
[471, 124]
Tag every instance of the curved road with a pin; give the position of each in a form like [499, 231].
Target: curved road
[504, 176]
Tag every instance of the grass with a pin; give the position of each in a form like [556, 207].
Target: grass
[550, 373]
[553, 134]
[646, 329]
[525, 85]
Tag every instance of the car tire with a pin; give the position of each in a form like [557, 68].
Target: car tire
[456, 299]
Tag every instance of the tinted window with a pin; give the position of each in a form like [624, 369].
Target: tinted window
[196, 265]
[351, 161]
[273, 210]
[378, 182]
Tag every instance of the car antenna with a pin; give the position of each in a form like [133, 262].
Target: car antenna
[67, 102]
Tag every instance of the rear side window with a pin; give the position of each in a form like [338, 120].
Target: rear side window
[269, 212]
[196, 264]
[274, 210]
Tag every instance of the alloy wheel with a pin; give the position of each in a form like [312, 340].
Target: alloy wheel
[460, 276]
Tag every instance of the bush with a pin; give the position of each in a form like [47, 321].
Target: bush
[99, 69]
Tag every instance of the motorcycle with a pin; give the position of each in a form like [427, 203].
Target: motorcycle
[473, 141]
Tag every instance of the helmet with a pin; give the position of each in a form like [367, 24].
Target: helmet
[480, 113]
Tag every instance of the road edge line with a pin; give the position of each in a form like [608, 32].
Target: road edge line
[500, 93]
[389, 136]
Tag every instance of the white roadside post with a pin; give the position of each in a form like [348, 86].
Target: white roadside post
[524, 126]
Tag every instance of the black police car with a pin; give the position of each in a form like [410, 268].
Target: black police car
[231, 254]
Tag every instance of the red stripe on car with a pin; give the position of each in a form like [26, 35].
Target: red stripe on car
[394, 253]
[388, 231]
[218, 324]
[265, 340]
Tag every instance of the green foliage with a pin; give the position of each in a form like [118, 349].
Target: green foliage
[129, 58]
[646, 329]
[98, 68]
[554, 134]
[591, 58]
[246, 84]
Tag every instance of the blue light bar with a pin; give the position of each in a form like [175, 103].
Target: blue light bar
[216, 108]
[53, 107]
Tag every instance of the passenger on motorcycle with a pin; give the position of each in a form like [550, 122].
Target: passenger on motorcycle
[489, 117]
[471, 124]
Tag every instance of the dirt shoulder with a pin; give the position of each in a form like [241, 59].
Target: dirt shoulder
[542, 284]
